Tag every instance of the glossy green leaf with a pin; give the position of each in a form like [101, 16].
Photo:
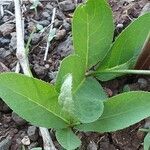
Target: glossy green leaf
[32, 99]
[120, 112]
[73, 65]
[68, 139]
[86, 109]
[92, 31]
[92, 36]
[127, 46]
[147, 142]
[88, 100]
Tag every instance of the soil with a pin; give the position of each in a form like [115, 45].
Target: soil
[14, 131]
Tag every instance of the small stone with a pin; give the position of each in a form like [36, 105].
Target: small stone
[52, 75]
[67, 25]
[13, 41]
[49, 7]
[58, 23]
[126, 88]
[60, 15]
[145, 9]
[31, 26]
[3, 107]
[147, 123]
[4, 53]
[33, 145]
[36, 38]
[4, 41]
[120, 25]
[44, 23]
[45, 14]
[143, 83]
[41, 71]
[109, 92]
[32, 133]
[18, 120]
[92, 146]
[26, 141]
[6, 143]
[6, 28]
[60, 34]
[47, 66]
[3, 68]
[65, 48]
[67, 5]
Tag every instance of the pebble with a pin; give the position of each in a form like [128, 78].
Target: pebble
[120, 25]
[92, 146]
[4, 41]
[7, 28]
[44, 23]
[26, 141]
[65, 48]
[145, 9]
[60, 15]
[67, 5]
[58, 23]
[33, 145]
[32, 133]
[52, 75]
[45, 15]
[3, 68]
[60, 34]
[49, 7]
[36, 38]
[18, 120]
[13, 41]
[31, 26]
[147, 123]
[143, 83]
[6, 143]
[4, 53]
[3, 107]
[41, 71]
[66, 25]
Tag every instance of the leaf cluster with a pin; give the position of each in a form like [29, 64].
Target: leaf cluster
[77, 101]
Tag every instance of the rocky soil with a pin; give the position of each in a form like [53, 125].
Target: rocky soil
[16, 133]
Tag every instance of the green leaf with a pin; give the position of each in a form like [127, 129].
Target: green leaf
[147, 142]
[88, 101]
[67, 139]
[88, 110]
[90, 45]
[32, 99]
[127, 46]
[73, 65]
[65, 99]
[120, 112]
[92, 31]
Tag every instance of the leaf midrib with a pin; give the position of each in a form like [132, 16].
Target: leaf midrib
[38, 104]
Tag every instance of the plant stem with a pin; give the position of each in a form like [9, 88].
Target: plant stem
[144, 72]
[24, 62]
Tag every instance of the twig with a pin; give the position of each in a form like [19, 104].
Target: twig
[51, 28]
[17, 70]
[21, 55]
[23, 60]
[1, 10]
[48, 143]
